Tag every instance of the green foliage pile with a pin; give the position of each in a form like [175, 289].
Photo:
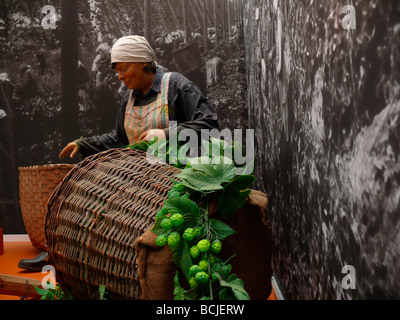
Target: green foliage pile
[195, 238]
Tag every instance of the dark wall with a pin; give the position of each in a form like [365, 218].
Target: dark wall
[325, 105]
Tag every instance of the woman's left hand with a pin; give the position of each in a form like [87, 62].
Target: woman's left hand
[150, 134]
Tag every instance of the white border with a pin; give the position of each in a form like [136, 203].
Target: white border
[276, 289]
[16, 237]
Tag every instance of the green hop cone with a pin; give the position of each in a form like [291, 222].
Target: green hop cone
[216, 246]
[189, 234]
[193, 283]
[161, 240]
[173, 239]
[166, 223]
[203, 264]
[203, 245]
[197, 232]
[177, 219]
[194, 252]
[201, 277]
[194, 269]
[226, 270]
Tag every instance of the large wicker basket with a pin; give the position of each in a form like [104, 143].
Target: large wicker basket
[36, 184]
[95, 216]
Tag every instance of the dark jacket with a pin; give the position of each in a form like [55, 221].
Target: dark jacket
[186, 105]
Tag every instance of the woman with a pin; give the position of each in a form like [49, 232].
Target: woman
[153, 100]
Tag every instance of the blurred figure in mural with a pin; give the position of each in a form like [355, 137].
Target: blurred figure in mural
[103, 53]
[83, 85]
[105, 100]
[28, 88]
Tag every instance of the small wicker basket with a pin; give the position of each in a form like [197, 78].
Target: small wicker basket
[36, 184]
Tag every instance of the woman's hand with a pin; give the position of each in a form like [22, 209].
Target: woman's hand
[151, 134]
[71, 149]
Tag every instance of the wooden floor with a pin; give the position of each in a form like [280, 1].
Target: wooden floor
[14, 251]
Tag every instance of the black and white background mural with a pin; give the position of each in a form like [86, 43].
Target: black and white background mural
[318, 81]
[57, 84]
[324, 100]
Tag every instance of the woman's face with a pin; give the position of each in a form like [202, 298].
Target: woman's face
[132, 74]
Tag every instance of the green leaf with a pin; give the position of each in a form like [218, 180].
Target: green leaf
[143, 146]
[227, 294]
[152, 141]
[212, 148]
[182, 156]
[221, 229]
[236, 285]
[246, 170]
[207, 177]
[159, 149]
[157, 229]
[234, 195]
[182, 258]
[218, 143]
[102, 291]
[179, 292]
[182, 206]
[41, 291]
[240, 183]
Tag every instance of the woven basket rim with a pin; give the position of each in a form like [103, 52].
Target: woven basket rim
[46, 166]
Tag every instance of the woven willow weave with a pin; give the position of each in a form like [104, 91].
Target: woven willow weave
[36, 184]
[95, 216]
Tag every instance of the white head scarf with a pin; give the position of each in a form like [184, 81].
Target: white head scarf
[132, 49]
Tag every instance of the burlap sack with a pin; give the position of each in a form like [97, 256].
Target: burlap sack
[252, 245]
[155, 267]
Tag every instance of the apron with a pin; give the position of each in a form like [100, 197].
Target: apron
[139, 119]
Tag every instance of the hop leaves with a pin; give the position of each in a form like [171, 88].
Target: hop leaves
[194, 237]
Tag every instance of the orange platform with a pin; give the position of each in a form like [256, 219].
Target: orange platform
[14, 251]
